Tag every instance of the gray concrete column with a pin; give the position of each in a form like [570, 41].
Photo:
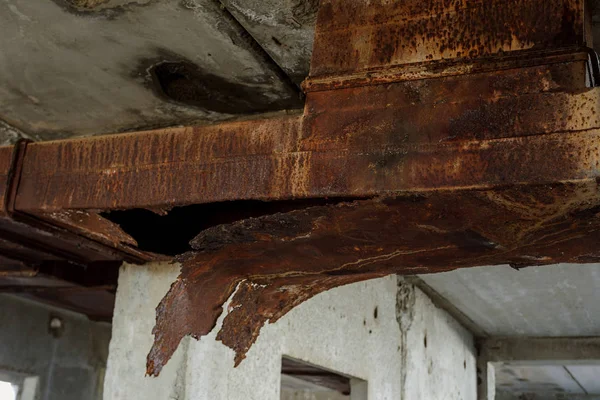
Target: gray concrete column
[338, 330]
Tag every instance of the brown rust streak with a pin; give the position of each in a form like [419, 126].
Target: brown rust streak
[447, 133]
[281, 260]
[361, 35]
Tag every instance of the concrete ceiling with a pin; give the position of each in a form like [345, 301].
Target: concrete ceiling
[559, 300]
[81, 67]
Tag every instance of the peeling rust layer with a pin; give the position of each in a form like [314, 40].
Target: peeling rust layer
[94, 225]
[364, 35]
[91, 225]
[278, 261]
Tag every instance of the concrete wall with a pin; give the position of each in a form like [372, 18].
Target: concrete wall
[337, 330]
[440, 354]
[68, 367]
[311, 395]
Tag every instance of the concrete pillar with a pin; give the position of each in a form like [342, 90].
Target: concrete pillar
[383, 332]
[486, 385]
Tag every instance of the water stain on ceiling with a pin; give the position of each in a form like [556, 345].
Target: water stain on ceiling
[85, 67]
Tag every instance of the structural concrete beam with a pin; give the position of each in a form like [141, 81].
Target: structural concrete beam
[533, 351]
[540, 350]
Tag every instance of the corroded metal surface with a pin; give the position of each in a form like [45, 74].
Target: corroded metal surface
[365, 164]
[474, 131]
[94, 225]
[165, 168]
[446, 68]
[278, 261]
[501, 104]
[450, 134]
[365, 35]
[29, 244]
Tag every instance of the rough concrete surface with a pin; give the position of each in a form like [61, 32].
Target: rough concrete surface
[547, 381]
[556, 300]
[285, 29]
[140, 289]
[337, 330]
[81, 67]
[441, 359]
[69, 366]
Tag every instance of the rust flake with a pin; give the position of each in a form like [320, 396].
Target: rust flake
[279, 261]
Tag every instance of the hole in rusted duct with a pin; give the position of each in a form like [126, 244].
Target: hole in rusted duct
[170, 234]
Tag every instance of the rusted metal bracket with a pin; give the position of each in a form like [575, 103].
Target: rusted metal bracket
[436, 135]
[31, 248]
[50, 241]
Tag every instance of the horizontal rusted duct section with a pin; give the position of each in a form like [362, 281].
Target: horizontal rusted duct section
[436, 135]
[72, 264]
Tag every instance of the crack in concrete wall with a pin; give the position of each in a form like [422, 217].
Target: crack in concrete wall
[405, 315]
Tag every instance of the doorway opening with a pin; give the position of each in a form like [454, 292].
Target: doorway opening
[303, 381]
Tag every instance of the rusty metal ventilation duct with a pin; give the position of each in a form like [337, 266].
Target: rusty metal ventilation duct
[448, 134]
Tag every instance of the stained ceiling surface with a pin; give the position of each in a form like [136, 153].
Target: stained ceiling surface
[83, 67]
[558, 300]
